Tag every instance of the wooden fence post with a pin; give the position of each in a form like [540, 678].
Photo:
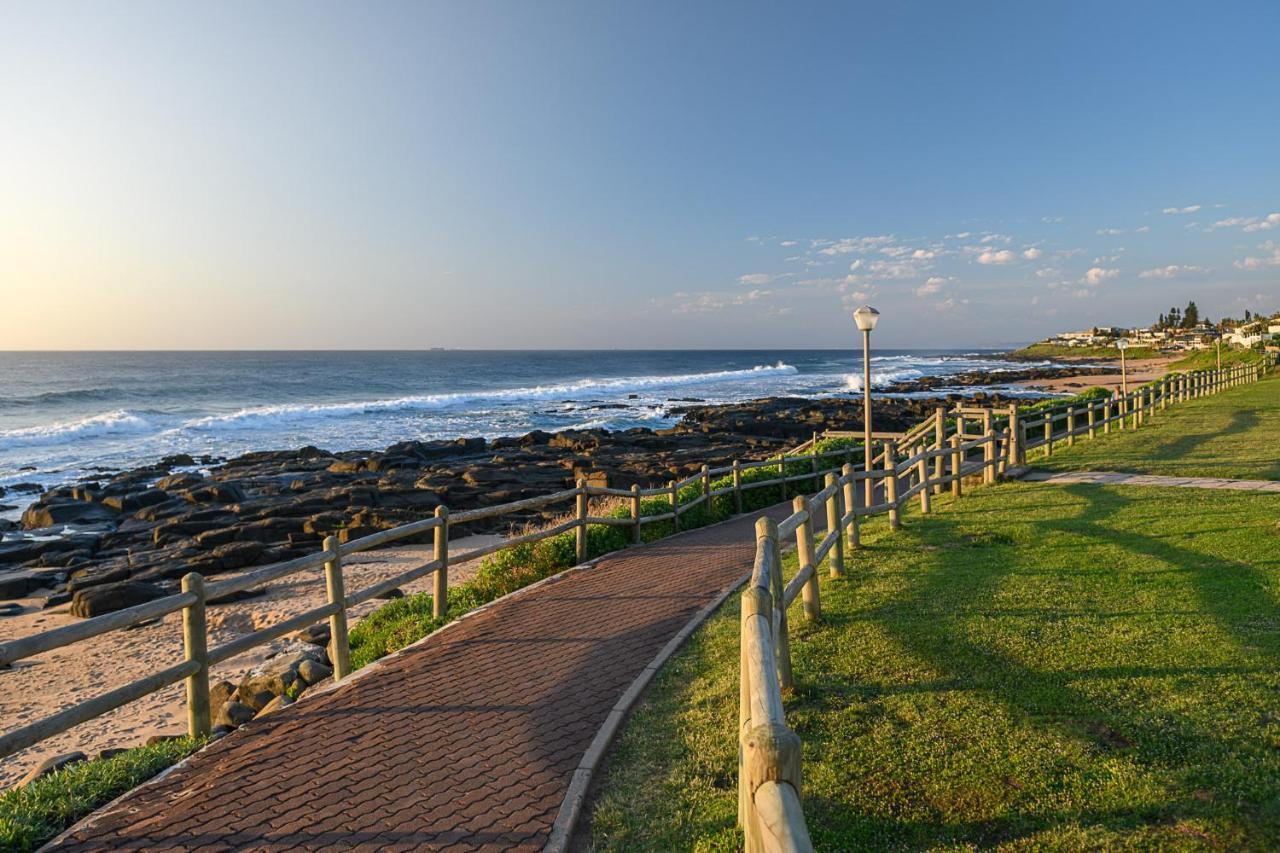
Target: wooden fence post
[1071, 425]
[891, 484]
[675, 505]
[440, 586]
[1092, 418]
[1164, 393]
[939, 442]
[1017, 449]
[836, 558]
[195, 644]
[804, 545]
[851, 493]
[1048, 433]
[989, 452]
[706, 488]
[781, 634]
[580, 532]
[635, 513]
[922, 473]
[737, 487]
[339, 646]
[957, 466]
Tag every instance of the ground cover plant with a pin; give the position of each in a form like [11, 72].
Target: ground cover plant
[406, 620]
[1030, 667]
[1232, 434]
[34, 813]
[1058, 351]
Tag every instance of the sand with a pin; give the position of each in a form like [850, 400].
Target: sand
[1139, 370]
[37, 687]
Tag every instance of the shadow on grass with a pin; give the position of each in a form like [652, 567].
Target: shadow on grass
[1242, 420]
[1196, 757]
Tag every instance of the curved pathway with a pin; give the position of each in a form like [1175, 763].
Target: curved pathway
[467, 740]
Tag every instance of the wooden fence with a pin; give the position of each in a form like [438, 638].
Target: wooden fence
[943, 451]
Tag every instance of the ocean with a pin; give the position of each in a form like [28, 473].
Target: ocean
[64, 415]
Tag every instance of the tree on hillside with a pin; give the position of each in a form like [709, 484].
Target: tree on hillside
[1190, 316]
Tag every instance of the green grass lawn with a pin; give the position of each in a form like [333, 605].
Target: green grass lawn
[1031, 667]
[1233, 434]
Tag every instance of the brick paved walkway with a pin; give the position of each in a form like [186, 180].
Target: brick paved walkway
[467, 741]
[1120, 478]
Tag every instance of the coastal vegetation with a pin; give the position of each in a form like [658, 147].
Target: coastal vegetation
[1044, 350]
[406, 620]
[32, 814]
[1035, 666]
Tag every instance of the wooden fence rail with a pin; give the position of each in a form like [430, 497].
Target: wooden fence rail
[972, 442]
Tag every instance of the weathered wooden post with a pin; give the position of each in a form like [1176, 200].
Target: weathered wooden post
[805, 549]
[922, 472]
[675, 505]
[782, 474]
[1164, 393]
[988, 450]
[339, 646]
[737, 487]
[1048, 432]
[580, 531]
[957, 466]
[706, 489]
[781, 633]
[1071, 425]
[635, 513]
[1093, 419]
[939, 442]
[440, 590]
[1017, 442]
[195, 646]
[813, 463]
[836, 558]
[851, 494]
[891, 484]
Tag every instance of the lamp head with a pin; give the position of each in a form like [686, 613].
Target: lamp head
[866, 317]
[1122, 344]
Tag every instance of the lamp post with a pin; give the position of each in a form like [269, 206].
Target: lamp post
[865, 318]
[1218, 340]
[1122, 345]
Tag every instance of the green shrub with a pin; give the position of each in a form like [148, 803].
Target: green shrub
[34, 813]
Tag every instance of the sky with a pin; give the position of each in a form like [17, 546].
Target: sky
[635, 175]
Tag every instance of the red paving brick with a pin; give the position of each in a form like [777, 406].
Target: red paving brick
[464, 742]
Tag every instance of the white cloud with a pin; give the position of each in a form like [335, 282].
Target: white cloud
[1271, 220]
[1272, 259]
[1191, 208]
[1250, 224]
[857, 244]
[700, 303]
[788, 243]
[1143, 229]
[1048, 272]
[1173, 271]
[996, 238]
[1097, 275]
[1032, 254]
[1110, 232]
[1050, 220]
[932, 286]
[992, 256]
[756, 278]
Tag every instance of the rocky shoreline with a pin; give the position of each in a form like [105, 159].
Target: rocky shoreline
[127, 537]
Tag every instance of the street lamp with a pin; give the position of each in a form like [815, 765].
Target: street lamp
[1122, 345]
[1218, 340]
[865, 318]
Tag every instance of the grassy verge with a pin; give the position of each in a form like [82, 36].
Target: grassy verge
[1055, 351]
[1032, 667]
[1207, 359]
[1232, 434]
[408, 619]
[35, 813]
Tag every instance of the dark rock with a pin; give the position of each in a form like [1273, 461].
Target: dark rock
[111, 752]
[233, 715]
[313, 672]
[53, 764]
[275, 704]
[316, 635]
[10, 609]
[157, 739]
[96, 600]
[238, 595]
[220, 693]
[41, 514]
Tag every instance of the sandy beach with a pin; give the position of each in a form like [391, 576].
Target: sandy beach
[40, 686]
[1139, 370]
